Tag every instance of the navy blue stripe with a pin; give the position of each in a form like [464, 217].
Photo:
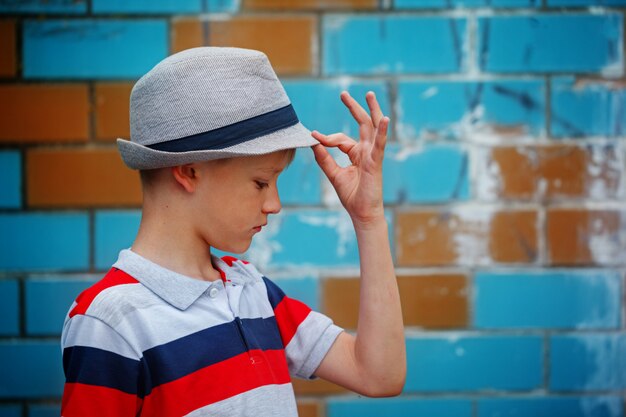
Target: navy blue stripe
[274, 293]
[191, 353]
[234, 134]
[88, 365]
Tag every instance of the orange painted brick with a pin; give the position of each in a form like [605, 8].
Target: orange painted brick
[112, 110]
[44, 113]
[581, 237]
[7, 48]
[466, 236]
[341, 300]
[513, 236]
[309, 4]
[433, 301]
[316, 387]
[308, 408]
[187, 33]
[80, 178]
[558, 171]
[287, 41]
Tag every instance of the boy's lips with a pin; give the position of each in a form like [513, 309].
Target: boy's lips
[258, 228]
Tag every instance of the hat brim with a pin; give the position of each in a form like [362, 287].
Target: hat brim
[137, 156]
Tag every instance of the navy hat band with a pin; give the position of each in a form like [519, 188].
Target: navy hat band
[233, 134]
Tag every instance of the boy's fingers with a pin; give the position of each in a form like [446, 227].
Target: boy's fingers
[339, 140]
[325, 161]
[374, 107]
[380, 141]
[359, 114]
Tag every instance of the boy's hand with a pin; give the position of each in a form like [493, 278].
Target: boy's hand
[359, 186]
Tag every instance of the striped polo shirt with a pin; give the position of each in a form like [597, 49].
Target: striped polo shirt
[147, 341]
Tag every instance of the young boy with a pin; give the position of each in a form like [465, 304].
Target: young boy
[173, 330]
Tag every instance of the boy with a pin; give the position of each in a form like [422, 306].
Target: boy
[173, 330]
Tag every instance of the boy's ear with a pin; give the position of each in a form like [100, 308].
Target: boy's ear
[186, 176]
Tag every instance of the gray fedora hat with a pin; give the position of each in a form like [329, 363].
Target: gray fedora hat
[209, 103]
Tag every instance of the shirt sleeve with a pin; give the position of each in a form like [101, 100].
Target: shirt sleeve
[307, 335]
[102, 371]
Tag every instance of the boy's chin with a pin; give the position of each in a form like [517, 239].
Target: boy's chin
[236, 249]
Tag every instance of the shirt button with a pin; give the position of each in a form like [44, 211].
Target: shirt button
[213, 292]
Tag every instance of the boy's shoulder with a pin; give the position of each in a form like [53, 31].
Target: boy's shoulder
[114, 291]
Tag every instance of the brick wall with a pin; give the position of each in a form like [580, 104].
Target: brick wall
[504, 185]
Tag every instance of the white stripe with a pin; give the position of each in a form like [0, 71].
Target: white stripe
[313, 338]
[88, 331]
[146, 320]
[265, 401]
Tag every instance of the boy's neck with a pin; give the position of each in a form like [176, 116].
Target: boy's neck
[176, 249]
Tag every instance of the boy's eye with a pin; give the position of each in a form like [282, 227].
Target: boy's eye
[261, 184]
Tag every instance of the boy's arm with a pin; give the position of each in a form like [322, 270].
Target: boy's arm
[374, 362]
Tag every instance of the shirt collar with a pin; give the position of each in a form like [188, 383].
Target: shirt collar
[176, 289]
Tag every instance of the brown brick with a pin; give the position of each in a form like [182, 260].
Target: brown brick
[558, 171]
[44, 113]
[513, 236]
[80, 178]
[432, 301]
[316, 387]
[341, 300]
[112, 110]
[287, 41]
[466, 236]
[187, 33]
[309, 4]
[7, 48]
[579, 237]
[308, 408]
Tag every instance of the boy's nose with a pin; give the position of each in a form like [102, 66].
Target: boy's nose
[272, 203]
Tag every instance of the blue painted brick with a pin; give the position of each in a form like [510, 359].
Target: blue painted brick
[306, 238]
[319, 107]
[392, 44]
[585, 3]
[592, 110]
[305, 289]
[48, 301]
[10, 180]
[114, 231]
[568, 299]
[222, 6]
[79, 49]
[300, 183]
[11, 410]
[426, 174]
[44, 6]
[147, 6]
[41, 241]
[439, 4]
[551, 407]
[585, 43]
[414, 407]
[9, 308]
[588, 362]
[44, 410]
[31, 369]
[449, 109]
[470, 363]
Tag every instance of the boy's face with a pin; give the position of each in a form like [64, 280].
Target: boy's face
[235, 197]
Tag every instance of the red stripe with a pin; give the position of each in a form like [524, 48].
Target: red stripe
[112, 278]
[230, 259]
[80, 400]
[217, 382]
[289, 314]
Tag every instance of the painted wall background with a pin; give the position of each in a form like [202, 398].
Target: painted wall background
[504, 184]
